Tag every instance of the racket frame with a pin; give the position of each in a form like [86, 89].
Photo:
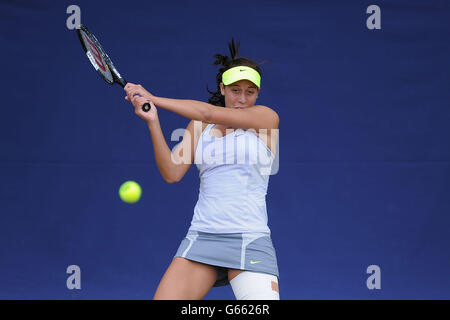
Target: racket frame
[116, 77]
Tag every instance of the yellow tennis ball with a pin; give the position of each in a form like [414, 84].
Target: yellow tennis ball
[130, 192]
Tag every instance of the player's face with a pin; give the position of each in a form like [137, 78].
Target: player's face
[240, 94]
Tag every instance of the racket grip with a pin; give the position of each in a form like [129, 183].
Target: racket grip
[146, 106]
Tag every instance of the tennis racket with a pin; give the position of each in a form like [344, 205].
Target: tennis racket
[100, 60]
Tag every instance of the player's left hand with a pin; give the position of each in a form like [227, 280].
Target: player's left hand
[132, 90]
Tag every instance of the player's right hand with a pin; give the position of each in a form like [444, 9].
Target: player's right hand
[138, 102]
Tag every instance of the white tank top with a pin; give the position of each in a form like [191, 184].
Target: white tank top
[234, 175]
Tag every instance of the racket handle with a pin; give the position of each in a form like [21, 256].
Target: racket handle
[146, 106]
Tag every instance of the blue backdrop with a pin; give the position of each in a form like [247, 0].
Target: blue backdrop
[364, 144]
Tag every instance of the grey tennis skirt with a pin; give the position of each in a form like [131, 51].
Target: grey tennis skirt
[243, 251]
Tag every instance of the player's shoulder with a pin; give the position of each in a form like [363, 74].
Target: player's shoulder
[197, 126]
[267, 109]
[269, 113]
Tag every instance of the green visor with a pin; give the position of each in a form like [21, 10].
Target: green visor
[241, 73]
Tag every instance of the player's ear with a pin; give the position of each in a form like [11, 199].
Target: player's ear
[222, 89]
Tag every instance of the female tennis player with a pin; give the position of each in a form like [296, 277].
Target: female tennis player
[229, 241]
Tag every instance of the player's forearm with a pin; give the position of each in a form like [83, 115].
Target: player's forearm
[191, 109]
[162, 152]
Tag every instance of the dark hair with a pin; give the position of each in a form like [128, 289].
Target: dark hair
[226, 63]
